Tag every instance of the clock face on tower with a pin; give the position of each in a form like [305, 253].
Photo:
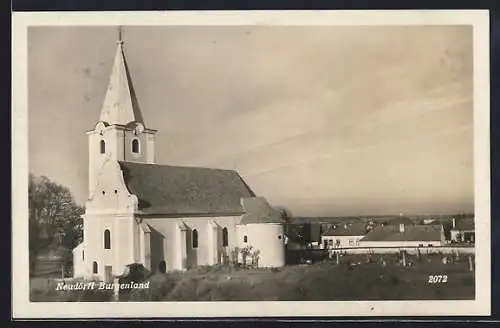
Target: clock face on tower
[139, 128]
[99, 127]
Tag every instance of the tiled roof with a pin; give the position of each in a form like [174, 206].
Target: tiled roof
[464, 224]
[257, 210]
[120, 102]
[354, 229]
[177, 190]
[410, 233]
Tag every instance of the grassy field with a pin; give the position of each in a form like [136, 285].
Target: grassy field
[321, 281]
[44, 290]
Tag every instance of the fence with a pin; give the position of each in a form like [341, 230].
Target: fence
[52, 269]
[408, 249]
[317, 255]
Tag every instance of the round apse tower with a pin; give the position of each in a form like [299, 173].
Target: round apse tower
[262, 230]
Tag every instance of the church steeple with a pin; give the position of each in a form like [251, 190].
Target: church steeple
[120, 103]
[120, 134]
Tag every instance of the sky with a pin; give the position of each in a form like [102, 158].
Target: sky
[323, 120]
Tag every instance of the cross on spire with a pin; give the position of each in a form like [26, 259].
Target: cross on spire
[120, 40]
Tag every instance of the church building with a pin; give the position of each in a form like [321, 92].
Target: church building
[142, 212]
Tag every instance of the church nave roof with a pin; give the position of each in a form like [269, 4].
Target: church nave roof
[179, 190]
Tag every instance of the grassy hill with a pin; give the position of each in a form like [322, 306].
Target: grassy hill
[322, 281]
[352, 279]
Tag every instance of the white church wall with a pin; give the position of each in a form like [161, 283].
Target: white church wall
[203, 225]
[163, 243]
[172, 247]
[91, 237]
[231, 223]
[195, 256]
[110, 207]
[146, 260]
[108, 255]
[137, 242]
[79, 261]
[268, 239]
[96, 158]
[93, 165]
[141, 156]
[110, 194]
[123, 252]
[118, 146]
[118, 255]
[114, 137]
[204, 254]
[213, 236]
[150, 148]
[179, 257]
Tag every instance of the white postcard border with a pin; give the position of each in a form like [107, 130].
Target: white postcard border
[23, 308]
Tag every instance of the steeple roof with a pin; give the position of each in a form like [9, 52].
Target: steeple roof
[120, 103]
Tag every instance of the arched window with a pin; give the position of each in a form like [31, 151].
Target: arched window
[135, 146]
[195, 238]
[94, 267]
[162, 267]
[107, 239]
[102, 146]
[225, 239]
[245, 239]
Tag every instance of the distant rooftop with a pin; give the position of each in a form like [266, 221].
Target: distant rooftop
[324, 219]
[464, 224]
[354, 229]
[410, 233]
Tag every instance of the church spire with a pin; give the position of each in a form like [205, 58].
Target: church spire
[120, 103]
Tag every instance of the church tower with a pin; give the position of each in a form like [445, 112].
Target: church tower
[120, 134]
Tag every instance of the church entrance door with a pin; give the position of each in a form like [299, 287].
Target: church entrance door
[108, 273]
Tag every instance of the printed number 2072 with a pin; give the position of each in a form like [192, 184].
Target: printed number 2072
[435, 279]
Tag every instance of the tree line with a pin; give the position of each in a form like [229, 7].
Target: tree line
[54, 217]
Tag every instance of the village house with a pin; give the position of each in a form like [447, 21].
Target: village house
[400, 236]
[462, 231]
[302, 233]
[345, 235]
[162, 215]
